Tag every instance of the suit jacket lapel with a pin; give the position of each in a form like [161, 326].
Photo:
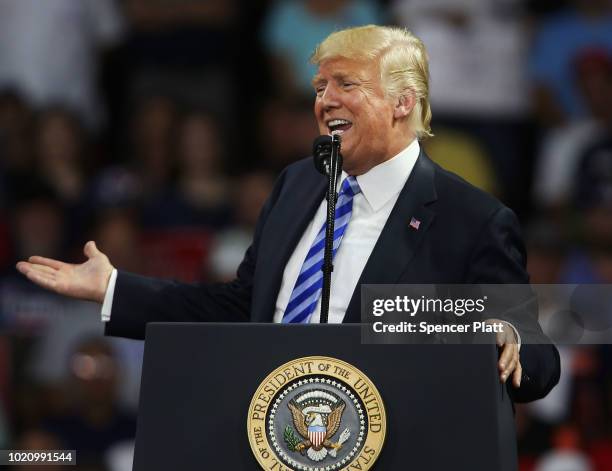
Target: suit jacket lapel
[284, 228]
[398, 241]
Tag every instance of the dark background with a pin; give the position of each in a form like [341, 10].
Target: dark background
[157, 127]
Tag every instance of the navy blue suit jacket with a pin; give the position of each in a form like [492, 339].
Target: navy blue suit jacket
[465, 236]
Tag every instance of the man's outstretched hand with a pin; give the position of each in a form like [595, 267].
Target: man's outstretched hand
[87, 281]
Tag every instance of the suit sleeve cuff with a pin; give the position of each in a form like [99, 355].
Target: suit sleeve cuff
[108, 297]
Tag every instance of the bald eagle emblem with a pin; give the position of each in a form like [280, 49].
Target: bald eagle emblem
[316, 415]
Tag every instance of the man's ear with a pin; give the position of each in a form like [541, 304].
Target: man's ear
[404, 105]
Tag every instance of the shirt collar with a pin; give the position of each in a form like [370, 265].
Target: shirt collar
[384, 181]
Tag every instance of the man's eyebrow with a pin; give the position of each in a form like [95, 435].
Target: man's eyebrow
[340, 75]
[350, 76]
[317, 80]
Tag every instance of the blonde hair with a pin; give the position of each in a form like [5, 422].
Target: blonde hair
[402, 59]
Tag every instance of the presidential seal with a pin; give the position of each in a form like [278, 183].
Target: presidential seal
[316, 414]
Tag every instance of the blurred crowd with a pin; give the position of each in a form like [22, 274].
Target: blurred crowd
[157, 128]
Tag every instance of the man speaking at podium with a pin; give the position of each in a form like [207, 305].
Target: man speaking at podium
[400, 218]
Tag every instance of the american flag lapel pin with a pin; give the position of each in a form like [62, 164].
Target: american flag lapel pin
[415, 223]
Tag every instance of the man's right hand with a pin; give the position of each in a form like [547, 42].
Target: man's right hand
[87, 281]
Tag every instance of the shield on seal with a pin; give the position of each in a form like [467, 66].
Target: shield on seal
[316, 435]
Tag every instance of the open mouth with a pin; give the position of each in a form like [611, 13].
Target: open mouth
[338, 126]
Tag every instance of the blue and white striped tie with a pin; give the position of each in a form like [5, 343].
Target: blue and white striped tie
[309, 284]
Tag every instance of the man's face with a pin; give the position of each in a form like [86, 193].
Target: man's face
[350, 100]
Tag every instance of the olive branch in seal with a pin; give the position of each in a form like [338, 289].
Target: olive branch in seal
[290, 439]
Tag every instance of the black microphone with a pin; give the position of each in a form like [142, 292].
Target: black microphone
[328, 161]
[322, 151]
